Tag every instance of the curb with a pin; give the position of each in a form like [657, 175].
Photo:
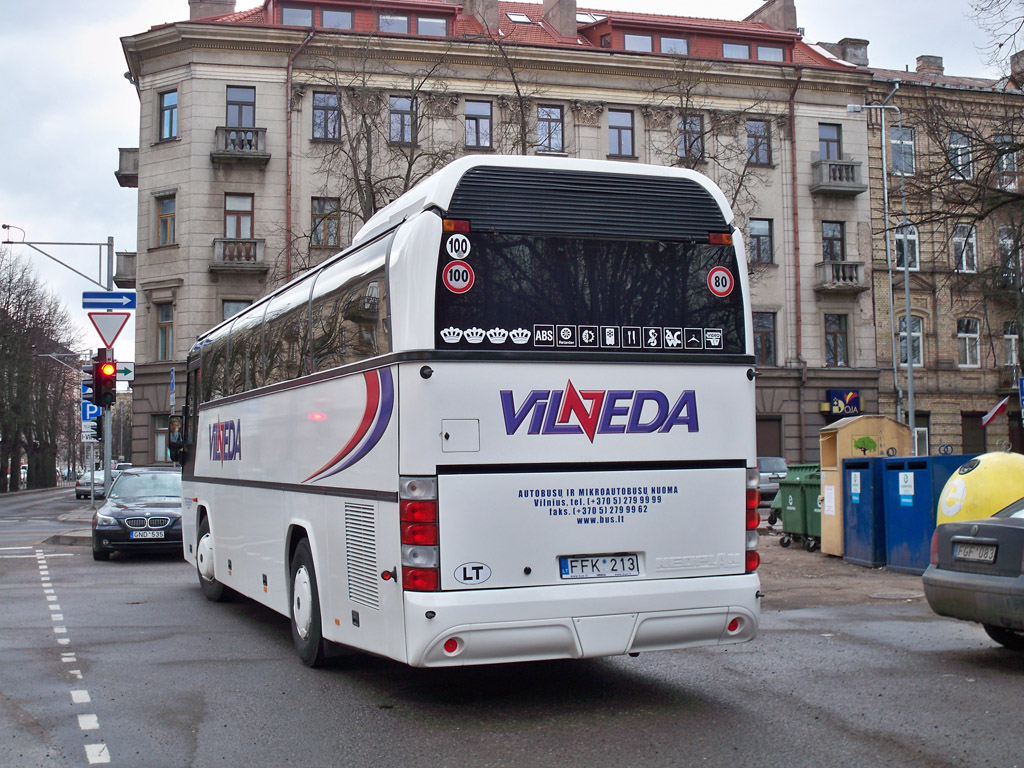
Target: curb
[72, 538]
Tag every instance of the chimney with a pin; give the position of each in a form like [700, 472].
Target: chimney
[929, 65]
[561, 14]
[485, 10]
[780, 14]
[850, 49]
[204, 9]
[1017, 69]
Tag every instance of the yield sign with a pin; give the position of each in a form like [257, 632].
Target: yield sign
[109, 325]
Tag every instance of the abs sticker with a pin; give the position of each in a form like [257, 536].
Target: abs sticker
[720, 281]
[458, 277]
[458, 246]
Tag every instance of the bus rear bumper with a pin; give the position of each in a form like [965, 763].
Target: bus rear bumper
[578, 620]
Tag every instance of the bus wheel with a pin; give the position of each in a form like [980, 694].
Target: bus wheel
[212, 588]
[305, 600]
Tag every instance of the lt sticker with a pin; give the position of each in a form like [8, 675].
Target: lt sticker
[472, 573]
[720, 282]
[458, 246]
[458, 277]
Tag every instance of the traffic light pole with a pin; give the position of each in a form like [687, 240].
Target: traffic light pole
[108, 426]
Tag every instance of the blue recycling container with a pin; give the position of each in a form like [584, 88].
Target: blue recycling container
[911, 490]
[863, 512]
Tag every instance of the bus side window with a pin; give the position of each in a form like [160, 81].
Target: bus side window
[286, 334]
[244, 354]
[192, 409]
[213, 366]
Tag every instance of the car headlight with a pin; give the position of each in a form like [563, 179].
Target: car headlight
[105, 519]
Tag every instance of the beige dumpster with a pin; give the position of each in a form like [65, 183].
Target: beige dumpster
[852, 438]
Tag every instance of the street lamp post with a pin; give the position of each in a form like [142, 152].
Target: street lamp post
[888, 257]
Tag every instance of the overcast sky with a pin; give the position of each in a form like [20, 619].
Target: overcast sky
[65, 107]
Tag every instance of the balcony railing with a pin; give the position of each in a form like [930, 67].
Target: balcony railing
[837, 177]
[839, 277]
[240, 146]
[238, 255]
[127, 173]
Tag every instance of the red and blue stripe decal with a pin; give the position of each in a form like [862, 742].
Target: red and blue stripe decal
[380, 402]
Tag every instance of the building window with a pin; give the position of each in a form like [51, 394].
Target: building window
[478, 124]
[916, 325]
[168, 115]
[297, 17]
[644, 43]
[549, 129]
[241, 107]
[430, 26]
[965, 248]
[160, 427]
[830, 146]
[620, 133]
[232, 307]
[164, 331]
[677, 45]
[836, 341]
[959, 155]
[326, 222]
[1006, 157]
[388, 22]
[606, 41]
[764, 338]
[326, 116]
[1009, 253]
[901, 141]
[762, 249]
[1010, 337]
[735, 51]
[906, 247]
[922, 424]
[770, 53]
[403, 119]
[968, 342]
[759, 144]
[165, 220]
[691, 137]
[833, 241]
[238, 217]
[336, 19]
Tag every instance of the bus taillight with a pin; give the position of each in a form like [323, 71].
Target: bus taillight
[719, 238]
[752, 559]
[454, 225]
[417, 509]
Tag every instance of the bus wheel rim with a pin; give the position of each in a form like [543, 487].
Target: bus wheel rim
[302, 602]
[204, 554]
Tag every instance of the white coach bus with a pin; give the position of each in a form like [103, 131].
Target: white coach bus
[513, 421]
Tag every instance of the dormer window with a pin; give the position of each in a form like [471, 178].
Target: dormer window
[388, 22]
[336, 19]
[644, 43]
[519, 18]
[735, 51]
[677, 45]
[770, 53]
[431, 26]
[297, 17]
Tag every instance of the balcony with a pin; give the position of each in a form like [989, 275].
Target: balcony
[127, 173]
[836, 277]
[837, 177]
[124, 272]
[238, 256]
[240, 147]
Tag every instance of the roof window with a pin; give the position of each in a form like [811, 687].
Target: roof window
[519, 18]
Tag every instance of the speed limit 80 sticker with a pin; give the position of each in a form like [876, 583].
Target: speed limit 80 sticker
[457, 276]
[721, 282]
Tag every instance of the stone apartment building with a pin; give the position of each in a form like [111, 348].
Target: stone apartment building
[267, 135]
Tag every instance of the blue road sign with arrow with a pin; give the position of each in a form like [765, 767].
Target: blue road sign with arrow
[108, 300]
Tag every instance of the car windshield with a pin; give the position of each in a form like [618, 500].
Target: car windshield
[1016, 509]
[772, 464]
[149, 484]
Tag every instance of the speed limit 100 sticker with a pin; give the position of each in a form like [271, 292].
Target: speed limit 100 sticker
[458, 277]
[720, 281]
[458, 246]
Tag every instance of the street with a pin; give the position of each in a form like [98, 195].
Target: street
[125, 663]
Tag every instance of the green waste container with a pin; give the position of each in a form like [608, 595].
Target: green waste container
[800, 492]
[793, 473]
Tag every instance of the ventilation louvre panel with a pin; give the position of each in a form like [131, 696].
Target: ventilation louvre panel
[361, 554]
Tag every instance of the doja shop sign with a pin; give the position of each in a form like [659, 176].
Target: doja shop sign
[843, 402]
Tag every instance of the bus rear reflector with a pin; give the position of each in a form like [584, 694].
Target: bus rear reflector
[420, 579]
[720, 238]
[454, 225]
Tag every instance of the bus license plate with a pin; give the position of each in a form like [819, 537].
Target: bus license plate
[599, 566]
[147, 534]
[979, 553]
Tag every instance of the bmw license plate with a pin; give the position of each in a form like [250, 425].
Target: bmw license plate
[978, 553]
[147, 534]
[599, 566]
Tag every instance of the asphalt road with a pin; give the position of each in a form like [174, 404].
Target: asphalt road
[124, 663]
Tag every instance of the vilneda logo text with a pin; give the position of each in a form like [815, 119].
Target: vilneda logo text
[598, 412]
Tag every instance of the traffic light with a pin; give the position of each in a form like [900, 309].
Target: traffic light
[99, 429]
[89, 383]
[105, 383]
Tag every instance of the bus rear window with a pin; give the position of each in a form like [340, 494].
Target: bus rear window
[499, 291]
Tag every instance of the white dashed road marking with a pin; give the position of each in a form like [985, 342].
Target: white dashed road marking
[97, 753]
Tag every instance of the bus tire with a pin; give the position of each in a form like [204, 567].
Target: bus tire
[212, 589]
[304, 597]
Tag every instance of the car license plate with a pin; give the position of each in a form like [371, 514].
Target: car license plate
[599, 566]
[979, 553]
[147, 534]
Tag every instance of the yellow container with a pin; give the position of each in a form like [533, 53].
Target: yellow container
[852, 438]
[981, 487]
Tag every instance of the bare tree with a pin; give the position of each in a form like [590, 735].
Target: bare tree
[1003, 21]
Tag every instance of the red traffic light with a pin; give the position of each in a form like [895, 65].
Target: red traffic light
[108, 369]
[105, 384]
